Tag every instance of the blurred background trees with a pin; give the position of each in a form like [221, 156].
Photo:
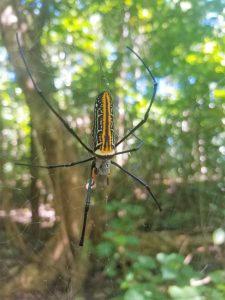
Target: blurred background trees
[76, 49]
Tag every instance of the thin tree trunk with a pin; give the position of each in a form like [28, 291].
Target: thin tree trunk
[34, 190]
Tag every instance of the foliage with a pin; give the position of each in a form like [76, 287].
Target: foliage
[83, 45]
[140, 276]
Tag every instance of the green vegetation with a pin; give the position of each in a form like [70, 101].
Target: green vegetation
[77, 49]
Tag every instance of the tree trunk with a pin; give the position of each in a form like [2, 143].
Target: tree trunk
[54, 257]
[34, 190]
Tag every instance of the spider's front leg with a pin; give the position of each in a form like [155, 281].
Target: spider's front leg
[155, 84]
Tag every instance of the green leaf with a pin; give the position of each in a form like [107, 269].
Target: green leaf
[184, 293]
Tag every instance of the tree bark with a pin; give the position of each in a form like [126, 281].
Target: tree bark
[54, 256]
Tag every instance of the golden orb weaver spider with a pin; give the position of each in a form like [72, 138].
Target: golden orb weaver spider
[103, 137]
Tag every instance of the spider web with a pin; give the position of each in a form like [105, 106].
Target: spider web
[21, 214]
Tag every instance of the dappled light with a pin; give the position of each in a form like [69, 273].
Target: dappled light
[79, 219]
[24, 215]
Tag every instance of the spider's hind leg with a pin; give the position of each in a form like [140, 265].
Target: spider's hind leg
[146, 186]
[86, 209]
[90, 186]
[94, 173]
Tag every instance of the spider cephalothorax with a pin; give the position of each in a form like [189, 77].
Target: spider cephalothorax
[102, 166]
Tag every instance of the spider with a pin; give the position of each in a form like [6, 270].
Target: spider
[104, 145]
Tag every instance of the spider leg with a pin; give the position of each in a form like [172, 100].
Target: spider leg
[38, 90]
[131, 150]
[140, 181]
[150, 103]
[66, 165]
[87, 206]
[91, 182]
